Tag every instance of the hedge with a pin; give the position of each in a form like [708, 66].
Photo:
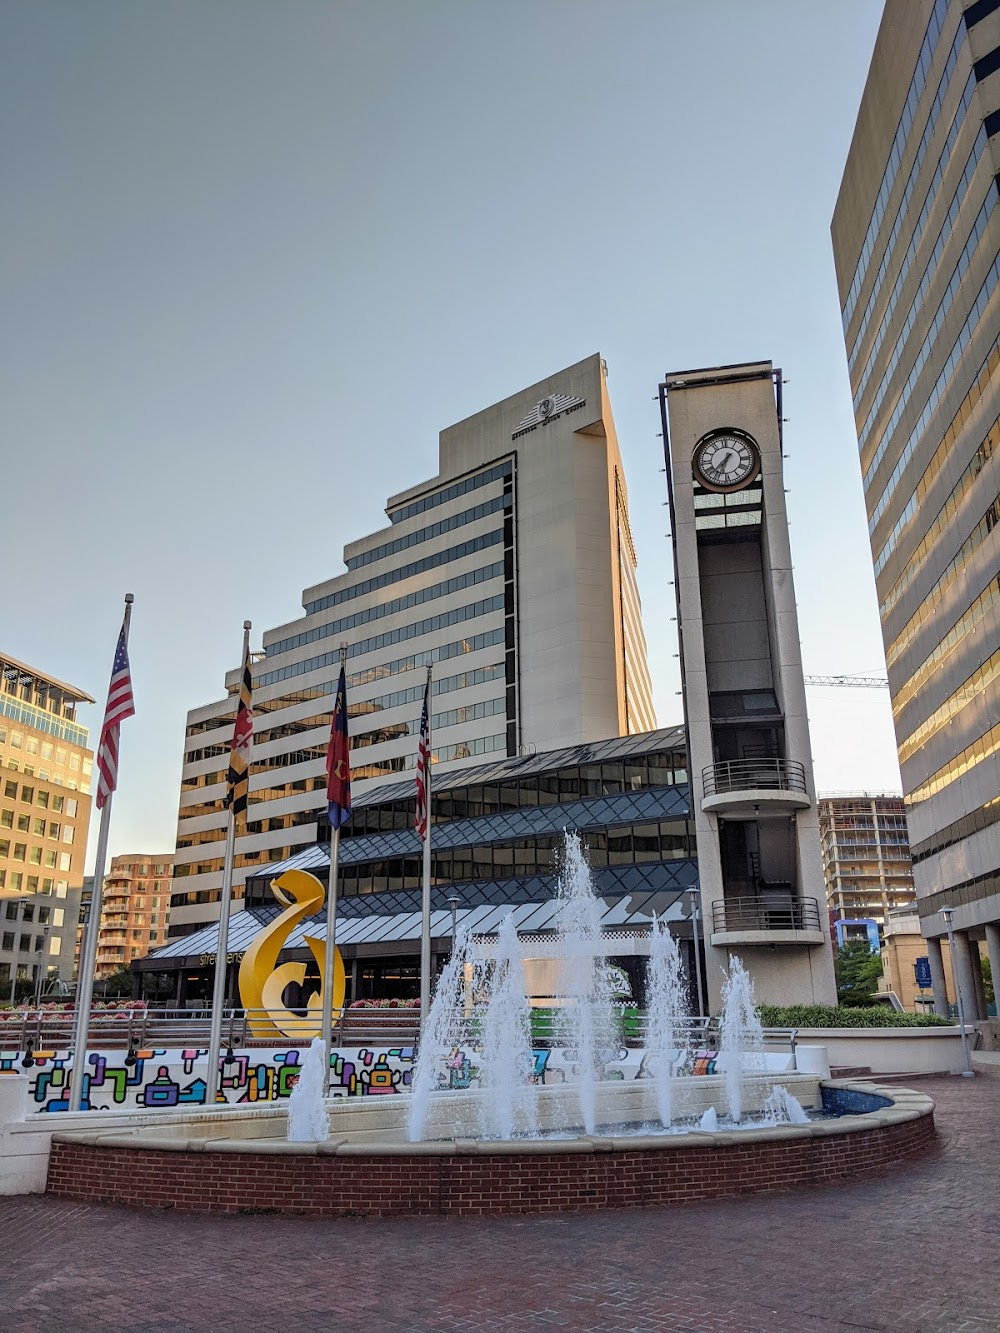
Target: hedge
[839, 1016]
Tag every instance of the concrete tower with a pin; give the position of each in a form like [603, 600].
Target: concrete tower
[752, 792]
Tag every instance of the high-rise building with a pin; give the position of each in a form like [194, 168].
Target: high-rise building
[752, 791]
[135, 907]
[44, 816]
[866, 856]
[916, 239]
[512, 571]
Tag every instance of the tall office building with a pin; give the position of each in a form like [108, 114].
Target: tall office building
[866, 856]
[512, 572]
[916, 238]
[45, 770]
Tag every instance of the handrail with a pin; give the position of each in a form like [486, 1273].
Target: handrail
[760, 913]
[732, 775]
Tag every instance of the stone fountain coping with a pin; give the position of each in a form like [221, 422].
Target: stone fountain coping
[907, 1104]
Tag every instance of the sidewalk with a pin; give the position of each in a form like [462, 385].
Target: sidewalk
[915, 1250]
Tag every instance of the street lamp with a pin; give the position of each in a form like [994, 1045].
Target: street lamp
[947, 913]
[693, 897]
[453, 901]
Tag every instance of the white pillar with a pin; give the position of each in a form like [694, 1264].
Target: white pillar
[979, 990]
[993, 949]
[964, 976]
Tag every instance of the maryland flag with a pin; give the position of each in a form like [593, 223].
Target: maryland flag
[238, 776]
[338, 760]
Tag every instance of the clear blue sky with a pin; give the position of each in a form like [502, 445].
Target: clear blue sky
[256, 255]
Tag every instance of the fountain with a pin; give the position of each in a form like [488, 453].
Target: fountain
[741, 1047]
[307, 1121]
[587, 1018]
[444, 1031]
[665, 1038]
[507, 1057]
[419, 1153]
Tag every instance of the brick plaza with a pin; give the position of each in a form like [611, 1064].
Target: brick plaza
[914, 1248]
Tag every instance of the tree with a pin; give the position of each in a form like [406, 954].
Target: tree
[858, 970]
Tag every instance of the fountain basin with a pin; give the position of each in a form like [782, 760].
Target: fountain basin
[231, 1160]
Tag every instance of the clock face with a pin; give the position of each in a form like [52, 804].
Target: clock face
[726, 460]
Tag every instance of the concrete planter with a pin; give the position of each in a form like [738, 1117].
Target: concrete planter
[935, 1050]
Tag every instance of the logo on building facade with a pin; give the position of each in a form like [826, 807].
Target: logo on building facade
[556, 405]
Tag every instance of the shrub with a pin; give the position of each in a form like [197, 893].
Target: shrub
[840, 1016]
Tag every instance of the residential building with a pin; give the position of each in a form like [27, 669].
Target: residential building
[905, 969]
[916, 240]
[511, 573]
[753, 798]
[497, 840]
[45, 769]
[135, 909]
[866, 856]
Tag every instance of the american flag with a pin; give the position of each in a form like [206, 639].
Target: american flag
[238, 775]
[120, 706]
[423, 764]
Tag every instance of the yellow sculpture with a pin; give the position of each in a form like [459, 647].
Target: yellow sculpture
[263, 982]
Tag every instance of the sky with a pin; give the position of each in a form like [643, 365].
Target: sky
[255, 256]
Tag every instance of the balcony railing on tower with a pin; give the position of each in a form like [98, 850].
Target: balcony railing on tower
[736, 775]
[756, 913]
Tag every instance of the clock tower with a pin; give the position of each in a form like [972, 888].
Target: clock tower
[752, 794]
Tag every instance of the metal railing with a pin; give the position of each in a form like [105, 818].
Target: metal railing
[758, 913]
[733, 775]
[138, 1029]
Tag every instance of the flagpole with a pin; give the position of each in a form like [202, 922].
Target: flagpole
[88, 960]
[326, 1031]
[425, 905]
[222, 946]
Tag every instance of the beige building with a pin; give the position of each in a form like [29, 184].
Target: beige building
[916, 239]
[866, 856]
[135, 908]
[45, 769]
[752, 791]
[511, 572]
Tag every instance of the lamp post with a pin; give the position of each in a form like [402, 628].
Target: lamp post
[694, 905]
[947, 913]
[453, 901]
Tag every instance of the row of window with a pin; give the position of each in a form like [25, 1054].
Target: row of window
[27, 913]
[373, 736]
[39, 719]
[963, 626]
[14, 881]
[924, 350]
[983, 676]
[35, 856]
[412, 631]
[942, 455]
[954, 569]
[984, 817]
[433, 561]
[981, 748]
[26, 944]
[930, 269]
[940, 385]
[942, 165]
[417, 598]
[452, 492]
[44, 800]
[612, 778]
[433, 530]
[414, 694]
[25, 824]
[917, 83]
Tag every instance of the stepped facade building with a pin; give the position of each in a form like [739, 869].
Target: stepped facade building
[511, 572]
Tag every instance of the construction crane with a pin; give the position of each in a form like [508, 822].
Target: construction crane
[856, 682]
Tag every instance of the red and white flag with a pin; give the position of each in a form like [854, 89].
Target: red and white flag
[423, 765]
[120, 706]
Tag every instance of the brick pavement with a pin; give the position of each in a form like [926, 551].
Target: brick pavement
[914, 1249]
